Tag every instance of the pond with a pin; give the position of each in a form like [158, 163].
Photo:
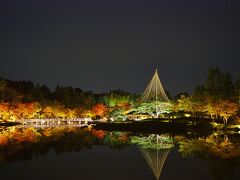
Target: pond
[87, 153]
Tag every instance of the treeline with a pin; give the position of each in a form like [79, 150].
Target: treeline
[24, 99]
[218, 98]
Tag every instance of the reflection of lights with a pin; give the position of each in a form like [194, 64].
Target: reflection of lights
[187, 115]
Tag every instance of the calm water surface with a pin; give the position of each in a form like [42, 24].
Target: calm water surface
[73, 153]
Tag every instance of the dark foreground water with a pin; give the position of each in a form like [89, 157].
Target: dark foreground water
[74, 153]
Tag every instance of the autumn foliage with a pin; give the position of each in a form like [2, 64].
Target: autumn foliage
[18, 111]
[99, 109]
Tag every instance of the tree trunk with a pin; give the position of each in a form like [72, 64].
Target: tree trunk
[225, 120]
[212, 117]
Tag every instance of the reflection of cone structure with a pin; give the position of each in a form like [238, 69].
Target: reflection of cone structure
[155, 159]
[155, 149]
[154, 90]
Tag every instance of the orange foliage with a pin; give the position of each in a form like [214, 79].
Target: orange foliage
[98, 133]
[4, 111]
[59, 111]
[48, 112]
[47, 132]
[226, 109]
[125, 105]
[26, 135]
[26, 110]
[99, 109]
[3, 139]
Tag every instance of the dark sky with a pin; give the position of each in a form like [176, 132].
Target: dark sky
[109, 44]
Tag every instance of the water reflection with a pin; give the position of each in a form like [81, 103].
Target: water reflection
[155, 149]
[221, 151]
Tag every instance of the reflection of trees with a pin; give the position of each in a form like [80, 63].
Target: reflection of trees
[155, 149]
[220, 151]
[212, 145]
[116, 139]
[27, 143]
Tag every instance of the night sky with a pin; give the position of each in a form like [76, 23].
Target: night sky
[110, 44]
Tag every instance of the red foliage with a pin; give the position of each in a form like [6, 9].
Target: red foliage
[98, 133]
[99, 109]
[3, 140]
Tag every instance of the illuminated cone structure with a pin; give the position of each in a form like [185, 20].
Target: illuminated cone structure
[154, 90]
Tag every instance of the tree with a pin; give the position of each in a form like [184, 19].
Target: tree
[59, 111]
[226, 109]
[219, 85]
[116, 97]
[237, 89]
[199, 92]
[189, 104]
[155, 108]
[4, 112]
[41, 94]
[179, 95]
[48, 112]
[3, 86]
[99, 109]
[26, 110]
[210, 108]
[73, 97]
[117, 114]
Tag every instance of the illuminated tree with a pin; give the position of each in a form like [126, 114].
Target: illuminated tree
[116, 97]
[210, 109]
[117, 114]
[60, 111]
[99, 109]
[184, 103]
[48, 112]
[26, 110]
[4, 112]
[189, 104]
[226, 109]
[88, 114]
[71, 113]
[155, 108]
[79, 111]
